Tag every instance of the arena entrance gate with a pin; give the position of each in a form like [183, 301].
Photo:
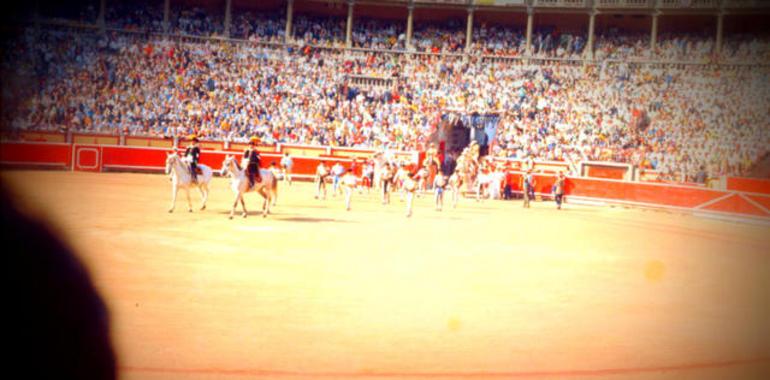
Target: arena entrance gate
[457, 131]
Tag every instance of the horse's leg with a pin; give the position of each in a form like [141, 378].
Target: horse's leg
[274, 192]
[348, 196]
[174, 190]
[189, 202]
[409, 197]
[265, 201]
[243, 205]
[235, 204]
[204, 189]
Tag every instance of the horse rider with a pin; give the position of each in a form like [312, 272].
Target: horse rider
[193, 154]
[251, 156]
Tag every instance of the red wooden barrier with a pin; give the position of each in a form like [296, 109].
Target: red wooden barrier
[751, 185]
[87, 158]
[641, 192]
[652, 194]
[110, 157]
[36, 154]
[543, 182]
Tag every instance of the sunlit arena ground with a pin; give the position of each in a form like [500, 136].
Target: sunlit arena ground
[487, 290]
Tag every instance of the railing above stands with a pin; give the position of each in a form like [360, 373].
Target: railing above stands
[561, 3]
[74, 27]
[370, 82]
[746, 4]
[634, 4]
[680, 4]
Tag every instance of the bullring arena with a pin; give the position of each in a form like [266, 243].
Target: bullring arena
[486, 290]
[649, 118]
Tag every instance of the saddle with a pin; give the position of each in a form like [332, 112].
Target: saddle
[198, 170]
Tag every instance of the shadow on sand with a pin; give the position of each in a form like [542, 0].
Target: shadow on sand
[282, 217]
[307, 219]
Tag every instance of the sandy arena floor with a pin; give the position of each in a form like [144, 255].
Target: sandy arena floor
[488, 290]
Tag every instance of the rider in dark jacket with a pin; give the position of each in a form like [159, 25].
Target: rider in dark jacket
[251, 154]
[194, 152]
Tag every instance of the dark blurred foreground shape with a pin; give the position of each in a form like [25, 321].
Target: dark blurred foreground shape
[59, 326]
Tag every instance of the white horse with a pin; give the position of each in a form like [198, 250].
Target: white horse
[239, 182]
[182, 179]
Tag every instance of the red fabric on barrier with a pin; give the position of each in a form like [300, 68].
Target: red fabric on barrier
[736, 204]
[32, 153]
[752, 185]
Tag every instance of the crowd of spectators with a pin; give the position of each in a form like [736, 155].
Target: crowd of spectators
[142, 18]
[196, 22]
[621, 45]
[672, 120]
[259, 26]
[746, 48]
[319, 30]
[448, 37]
[379, 34]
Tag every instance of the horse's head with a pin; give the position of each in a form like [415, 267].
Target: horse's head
[171, 158]
[226, 165]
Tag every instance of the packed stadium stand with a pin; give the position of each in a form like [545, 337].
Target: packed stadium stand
[673, 86]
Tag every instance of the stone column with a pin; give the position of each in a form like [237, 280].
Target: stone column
[469, 30]
[409, 23]
[102, 11]
[654, 35]
[590, 44]
[349, 26]
[720, 32]
[530, 21]
[289, 18]
[228, 16]
[166, 16]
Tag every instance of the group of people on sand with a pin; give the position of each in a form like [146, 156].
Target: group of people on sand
[479, 174]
